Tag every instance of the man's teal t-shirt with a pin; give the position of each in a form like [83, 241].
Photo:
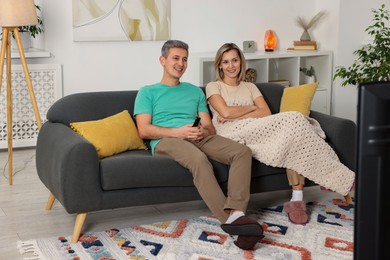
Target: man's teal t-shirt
[170, 106]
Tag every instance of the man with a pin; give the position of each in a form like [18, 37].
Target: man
[165, 113]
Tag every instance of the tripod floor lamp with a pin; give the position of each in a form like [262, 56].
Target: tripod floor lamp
[15, 13]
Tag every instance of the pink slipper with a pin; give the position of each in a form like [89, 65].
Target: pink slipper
[296, 211]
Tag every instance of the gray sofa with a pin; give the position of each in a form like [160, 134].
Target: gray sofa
[69, 167]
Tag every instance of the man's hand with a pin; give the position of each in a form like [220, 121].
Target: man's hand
[193, 133]
[148, 131]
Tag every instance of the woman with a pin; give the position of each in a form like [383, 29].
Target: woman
[287, 139]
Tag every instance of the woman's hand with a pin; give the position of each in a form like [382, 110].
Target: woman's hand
[222, 120]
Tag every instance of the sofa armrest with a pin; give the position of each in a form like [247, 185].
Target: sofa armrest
[68, 166]
[341, 135]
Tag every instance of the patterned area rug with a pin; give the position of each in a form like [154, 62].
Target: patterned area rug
[328, 235]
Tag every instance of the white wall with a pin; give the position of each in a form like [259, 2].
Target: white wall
[204, 25]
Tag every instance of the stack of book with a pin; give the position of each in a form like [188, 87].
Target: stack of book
[304, 46]
[283, 82]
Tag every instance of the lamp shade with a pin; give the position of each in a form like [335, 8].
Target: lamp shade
[15, 13]
[270, 41]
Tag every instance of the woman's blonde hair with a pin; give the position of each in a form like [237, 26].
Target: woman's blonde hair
[218, 58]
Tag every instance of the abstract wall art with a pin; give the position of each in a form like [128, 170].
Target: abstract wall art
[121, 20]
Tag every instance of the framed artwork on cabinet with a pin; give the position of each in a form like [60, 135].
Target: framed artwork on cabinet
[121, 20]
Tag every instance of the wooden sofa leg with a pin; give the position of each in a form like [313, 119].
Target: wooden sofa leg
[348, 199]
[50, 201]
[80, 218]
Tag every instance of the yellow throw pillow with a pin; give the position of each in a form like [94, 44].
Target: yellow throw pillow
[111, 135]
[298, 98]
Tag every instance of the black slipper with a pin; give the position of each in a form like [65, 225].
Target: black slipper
[243, 226]
[248, 242]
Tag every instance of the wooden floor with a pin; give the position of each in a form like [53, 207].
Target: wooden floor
[23, 215]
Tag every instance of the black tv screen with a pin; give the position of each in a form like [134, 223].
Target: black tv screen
[372, 193]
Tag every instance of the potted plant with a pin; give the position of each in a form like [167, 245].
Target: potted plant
[310, 73]
[373, 60]
[33, 30]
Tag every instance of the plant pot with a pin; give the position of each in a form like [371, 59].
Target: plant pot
[26, 41]
[309, 79]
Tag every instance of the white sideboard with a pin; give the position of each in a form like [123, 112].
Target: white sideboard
[283, 65]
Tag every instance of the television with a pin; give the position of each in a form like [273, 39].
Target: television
[372, 189]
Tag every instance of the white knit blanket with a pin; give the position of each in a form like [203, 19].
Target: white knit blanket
[291, 140]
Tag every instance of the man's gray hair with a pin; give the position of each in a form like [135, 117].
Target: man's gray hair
[172, 44]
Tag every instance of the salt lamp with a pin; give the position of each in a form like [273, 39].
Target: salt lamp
[270, 41]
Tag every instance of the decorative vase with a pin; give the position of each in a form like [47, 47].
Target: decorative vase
[305, 36]
[26, 41]
[251, 75]
[310, 79]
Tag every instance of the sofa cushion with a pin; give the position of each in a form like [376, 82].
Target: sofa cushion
[110, 135]
[139, 169]
[88, 106]
[272, 93]
[298, 98]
